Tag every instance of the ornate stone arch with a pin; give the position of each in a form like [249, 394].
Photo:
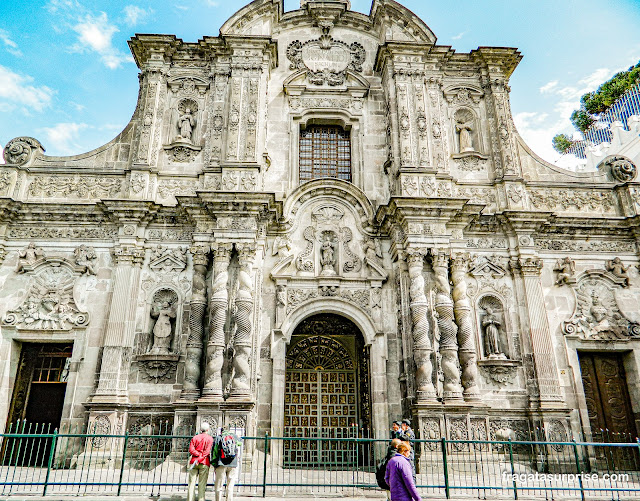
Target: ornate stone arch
[334, 305]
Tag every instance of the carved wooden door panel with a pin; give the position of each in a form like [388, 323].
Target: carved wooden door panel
[606, 392]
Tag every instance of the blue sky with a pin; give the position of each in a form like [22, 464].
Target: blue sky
[67, 77]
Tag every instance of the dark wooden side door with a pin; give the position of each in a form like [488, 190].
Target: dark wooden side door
[607, 395]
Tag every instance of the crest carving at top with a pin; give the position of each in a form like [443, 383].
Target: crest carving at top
[597, 315]
[325, 59]
[49, 303]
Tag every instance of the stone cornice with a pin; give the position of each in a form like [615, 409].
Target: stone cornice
[129, 211]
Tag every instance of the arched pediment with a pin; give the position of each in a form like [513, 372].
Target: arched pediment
[256, 18]
[343, 192]
[395, 22]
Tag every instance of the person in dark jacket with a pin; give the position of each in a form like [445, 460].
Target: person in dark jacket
[391, 451]
[399, 476]
[396, 430]
[407, 435]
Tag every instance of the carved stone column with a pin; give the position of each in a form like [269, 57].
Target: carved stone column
[448, 328]
[528, 270]
[462, 312]
[425, 391]
[191, 389]
[120, 331]
[218, 312]
[240, 383]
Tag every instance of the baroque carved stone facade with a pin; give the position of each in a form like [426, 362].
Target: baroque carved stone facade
[181, 258]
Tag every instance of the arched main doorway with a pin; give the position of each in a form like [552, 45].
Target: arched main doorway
[326, 389]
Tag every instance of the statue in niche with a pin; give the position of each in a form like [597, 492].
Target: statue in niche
[29, 255]
[566, 269]
[186, 122]
[281, 295]
[328, 254]
[164, 311]
[464, 120]
[491, 325]
[617, 268]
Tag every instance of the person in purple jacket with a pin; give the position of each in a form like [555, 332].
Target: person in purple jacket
[399, 475]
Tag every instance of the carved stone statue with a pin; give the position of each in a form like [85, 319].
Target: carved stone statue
[162, 330]
[491, 326]
[85, 256]
[281, 247]
[617, 268]
[466, 140]
[281, 295]
[328, 254]
[29, 255]
[186, 122]
[372, 250]
[566, 269]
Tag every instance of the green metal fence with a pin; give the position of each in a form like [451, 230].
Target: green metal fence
[35, 460]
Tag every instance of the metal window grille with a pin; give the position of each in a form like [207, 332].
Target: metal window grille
[325, 152]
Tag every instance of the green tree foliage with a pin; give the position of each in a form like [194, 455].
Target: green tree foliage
[561, 143]
[594, 103]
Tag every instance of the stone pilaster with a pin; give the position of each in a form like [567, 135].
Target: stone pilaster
[218, 316]
[120, 331]
[191, 390]
[528, 270]
[448, 329]
[462, 311]
[422, 349]
[242, 339]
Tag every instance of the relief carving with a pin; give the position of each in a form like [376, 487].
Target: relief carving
[351, 262]
[85, 256]
[49, 303]
[566, 270]
[619, 270]
[29, 255]
[597, 315]
[304, 261]
[21, 150]
[165, 259]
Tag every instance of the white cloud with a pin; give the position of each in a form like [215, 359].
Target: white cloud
[16, 89]
[133, 14]
[9, 44]
[212, 3]
[548, 87]
[458, 36]
[95, 33]
[63, 137]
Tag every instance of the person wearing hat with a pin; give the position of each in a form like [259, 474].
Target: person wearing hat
[396, 429]
[406, 434]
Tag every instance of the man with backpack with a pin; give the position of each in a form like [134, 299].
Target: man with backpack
[225, 458]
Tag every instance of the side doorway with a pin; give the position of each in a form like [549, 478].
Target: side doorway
[609, 406]
[37, 402]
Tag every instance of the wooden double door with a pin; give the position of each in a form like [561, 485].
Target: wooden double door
[607, 396]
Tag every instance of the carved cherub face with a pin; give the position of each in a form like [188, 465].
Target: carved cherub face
[489, 310]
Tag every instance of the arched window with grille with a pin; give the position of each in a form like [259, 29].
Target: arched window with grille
[325, 151]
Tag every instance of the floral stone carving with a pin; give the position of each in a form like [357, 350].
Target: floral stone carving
[168, 260]
[21, 150]
[622, 169]
[49, 304]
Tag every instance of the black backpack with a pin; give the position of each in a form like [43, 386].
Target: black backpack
[380, 473]
[228, 448]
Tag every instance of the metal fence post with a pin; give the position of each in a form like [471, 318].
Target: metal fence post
[264, 465]
[51, 454]
[445, 468]
[513, 471]
[124, 456]
[578, 468]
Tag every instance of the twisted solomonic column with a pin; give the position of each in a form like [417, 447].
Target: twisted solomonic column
[190, 388]
[218, 317]
[421, 343]
[462, 311]
[240, 384]
[448, 328]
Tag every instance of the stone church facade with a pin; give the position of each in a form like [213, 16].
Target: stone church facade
[315, 220]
